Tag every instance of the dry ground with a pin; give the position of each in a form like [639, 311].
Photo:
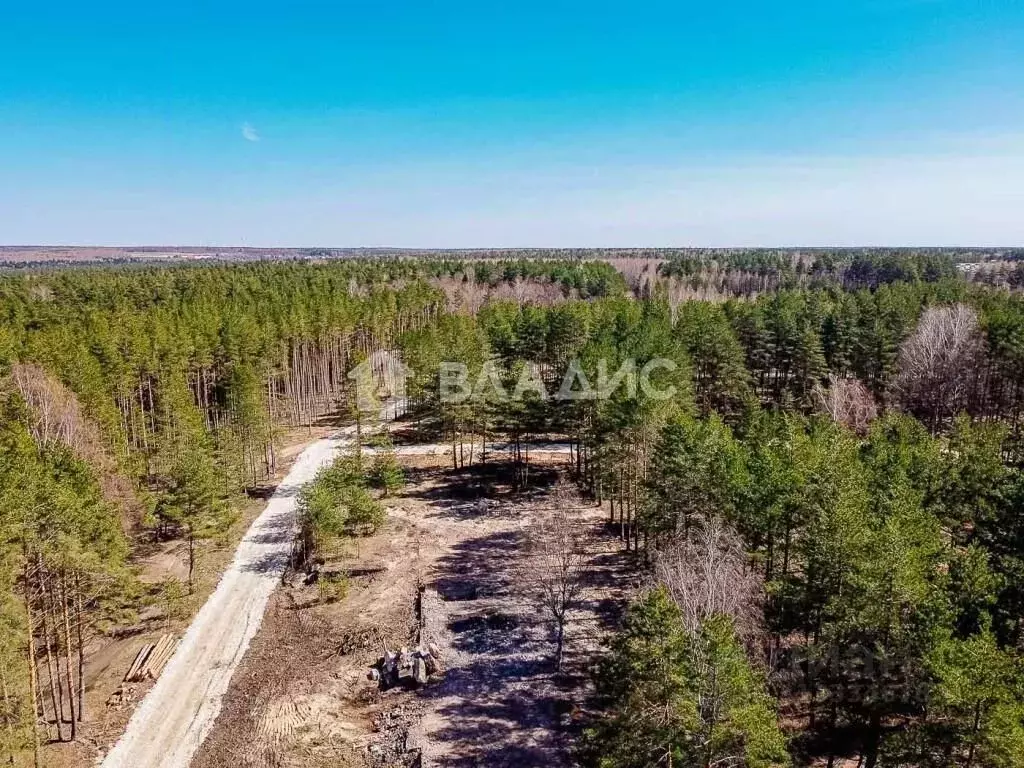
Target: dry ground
[302, 698]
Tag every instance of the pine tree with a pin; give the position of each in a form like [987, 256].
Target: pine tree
[681, 699]
[976, 709]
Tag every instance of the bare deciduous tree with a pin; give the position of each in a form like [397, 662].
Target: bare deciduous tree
[58, 419]
[847, 402]
[473, 294]
[707, 574]
[640, 273]
[938, 362]
[357, 290]
[57, 416]
[452, 292]
[535, 292]
[553, 572]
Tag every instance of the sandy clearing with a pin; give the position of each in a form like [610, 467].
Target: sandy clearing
[500, 448]
[179, 712]
[301, 695]
[498, 706]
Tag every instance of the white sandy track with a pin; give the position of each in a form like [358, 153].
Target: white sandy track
[179, 712]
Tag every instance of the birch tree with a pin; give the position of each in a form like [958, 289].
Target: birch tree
[554, 572]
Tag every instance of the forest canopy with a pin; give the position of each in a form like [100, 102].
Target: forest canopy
[847, 424]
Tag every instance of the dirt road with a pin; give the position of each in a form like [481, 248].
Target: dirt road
[178, 713]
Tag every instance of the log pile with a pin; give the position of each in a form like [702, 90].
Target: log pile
[151, 660]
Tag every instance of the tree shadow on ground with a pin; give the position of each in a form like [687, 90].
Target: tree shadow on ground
[447, 486]
[501, 703]
[261, 492]
[481, 566]
[286, 491]
[269, 564]
[499, 708]
[499, 712]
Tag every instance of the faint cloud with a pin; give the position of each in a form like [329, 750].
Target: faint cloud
[249, 132]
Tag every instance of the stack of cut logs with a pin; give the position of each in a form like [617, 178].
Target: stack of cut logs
[151, 660]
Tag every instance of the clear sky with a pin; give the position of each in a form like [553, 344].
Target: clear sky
[446, 124]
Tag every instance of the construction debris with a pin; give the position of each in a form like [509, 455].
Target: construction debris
[393, 747]
[124, 695]
[151, 660]
[413, 669]
[409, 669]
[419, 671]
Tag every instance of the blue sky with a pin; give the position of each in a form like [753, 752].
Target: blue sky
[454, 124]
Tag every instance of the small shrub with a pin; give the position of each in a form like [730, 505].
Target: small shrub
[333, 587]
[386, 473]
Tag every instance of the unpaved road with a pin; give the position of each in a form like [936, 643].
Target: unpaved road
[179, 712]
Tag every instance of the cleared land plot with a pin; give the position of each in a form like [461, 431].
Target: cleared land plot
[301, 696]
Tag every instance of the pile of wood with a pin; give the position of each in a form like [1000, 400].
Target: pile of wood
[151, 660]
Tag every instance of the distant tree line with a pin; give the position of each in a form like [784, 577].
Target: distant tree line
[748, 273]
